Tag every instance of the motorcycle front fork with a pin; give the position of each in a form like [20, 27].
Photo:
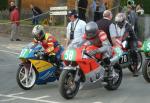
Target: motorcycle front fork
[30, 70]
[77, 77]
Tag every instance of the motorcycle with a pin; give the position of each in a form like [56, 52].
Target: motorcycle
[146, 67]
[35, 68]
[126, 60]
[81, 67]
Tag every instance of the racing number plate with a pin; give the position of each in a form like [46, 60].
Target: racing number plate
[70, 55]
[123, 59]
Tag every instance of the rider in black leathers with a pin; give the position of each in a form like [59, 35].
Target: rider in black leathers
[124, 30]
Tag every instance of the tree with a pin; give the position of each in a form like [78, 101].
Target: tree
[3, 4]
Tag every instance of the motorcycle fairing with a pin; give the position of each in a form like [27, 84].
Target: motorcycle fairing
[41, 65]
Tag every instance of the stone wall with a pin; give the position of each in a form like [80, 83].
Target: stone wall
[144, 27]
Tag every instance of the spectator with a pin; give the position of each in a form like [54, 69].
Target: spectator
[139, 10]
[132, 18]
[75, 29]
[98, 8]
[82, 6]
[106, 24]
[14, 17]
[12, 6]
[36, 12]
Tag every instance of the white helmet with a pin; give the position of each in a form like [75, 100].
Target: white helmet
[38, 32]
[120, 17]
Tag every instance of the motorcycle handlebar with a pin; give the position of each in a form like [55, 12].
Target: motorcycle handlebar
[84, 52]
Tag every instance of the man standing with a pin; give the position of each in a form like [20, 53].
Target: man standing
[106, 24]
[75, 29]
[14, 17]
[133, 18]
[82, 6]
[12, 6]
[36, 12]
[98, 7]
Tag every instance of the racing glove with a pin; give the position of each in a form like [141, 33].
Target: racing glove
[106, 61]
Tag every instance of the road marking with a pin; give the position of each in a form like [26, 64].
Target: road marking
[9, 52]
[16, 94]
[25, 98]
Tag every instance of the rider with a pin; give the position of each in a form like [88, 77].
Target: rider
[125, 32]
[99, 38]
[49, 43]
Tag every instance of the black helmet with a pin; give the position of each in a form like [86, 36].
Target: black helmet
[72, 12]
[91, 29]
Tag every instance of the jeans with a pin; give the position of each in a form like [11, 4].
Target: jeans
[35, 20]
[14, 31]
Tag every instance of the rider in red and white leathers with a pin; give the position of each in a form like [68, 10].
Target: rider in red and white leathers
[99, 38]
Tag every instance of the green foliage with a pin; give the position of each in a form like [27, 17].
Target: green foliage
[145, 3]
[3, 4]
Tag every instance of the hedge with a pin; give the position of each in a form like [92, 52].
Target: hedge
[3, 4]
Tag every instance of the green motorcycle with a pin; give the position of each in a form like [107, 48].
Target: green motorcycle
[146, 67]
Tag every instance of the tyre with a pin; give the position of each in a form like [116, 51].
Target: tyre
[114, 83]
[146, 70]
[68, 88]
[140, 61]
[25, 80]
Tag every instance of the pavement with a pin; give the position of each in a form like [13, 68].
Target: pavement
[13, 45]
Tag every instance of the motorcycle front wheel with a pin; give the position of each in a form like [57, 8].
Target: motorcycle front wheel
[68, 87]
[25, 79]
[139, 64]
[146, 70]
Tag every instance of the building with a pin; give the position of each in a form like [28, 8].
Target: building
[45, 4]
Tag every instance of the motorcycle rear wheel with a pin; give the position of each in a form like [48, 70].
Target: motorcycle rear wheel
[25, 81]
[68, 88]
[146, 70]
[111, 85]
[140, 61]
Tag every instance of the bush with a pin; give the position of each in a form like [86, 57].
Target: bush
[3, 4]
[146, 5]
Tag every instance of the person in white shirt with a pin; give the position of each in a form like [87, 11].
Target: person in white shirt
[75, 29]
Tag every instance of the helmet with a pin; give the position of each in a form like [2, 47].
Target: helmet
[38, 32]
[120, 19]
[130, 2]
[73, 12]
[91, 30]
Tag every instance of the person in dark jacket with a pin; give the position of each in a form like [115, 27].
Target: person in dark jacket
[127, 34]
[106, 24]
[36, 12]
[133, 18]
[82, 6]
